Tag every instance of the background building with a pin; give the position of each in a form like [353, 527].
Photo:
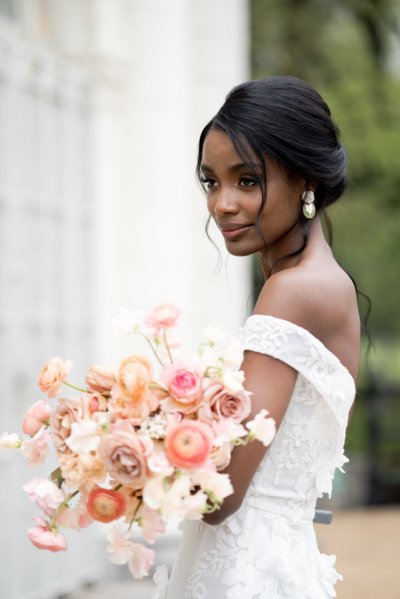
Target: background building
[101, 105]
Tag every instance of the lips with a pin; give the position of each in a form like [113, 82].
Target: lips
[233, 230]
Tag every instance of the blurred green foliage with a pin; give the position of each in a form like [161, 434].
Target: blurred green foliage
[344, 48]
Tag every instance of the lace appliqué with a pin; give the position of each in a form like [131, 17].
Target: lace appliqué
[268, 549]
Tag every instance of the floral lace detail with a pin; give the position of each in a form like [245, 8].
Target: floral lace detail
[268, 549]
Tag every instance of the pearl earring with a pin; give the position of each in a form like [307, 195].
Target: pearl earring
[308, 205]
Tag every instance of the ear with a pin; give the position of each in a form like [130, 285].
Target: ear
[311, 185]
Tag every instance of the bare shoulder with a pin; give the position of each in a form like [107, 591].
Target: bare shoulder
[321, 300]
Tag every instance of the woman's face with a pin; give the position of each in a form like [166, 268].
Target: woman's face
[234, 198]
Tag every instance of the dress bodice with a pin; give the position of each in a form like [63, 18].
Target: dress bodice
[267, 549]
[300, 463]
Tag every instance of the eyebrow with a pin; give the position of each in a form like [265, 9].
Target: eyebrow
[233, 169]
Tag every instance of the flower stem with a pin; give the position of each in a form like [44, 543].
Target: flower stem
[167, 346]
[134, 515]
[75, 387]
[62, 505]
[152, 349]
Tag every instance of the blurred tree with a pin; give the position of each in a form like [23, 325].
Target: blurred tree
[343, 49]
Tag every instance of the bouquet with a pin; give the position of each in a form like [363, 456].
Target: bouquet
[135, 449]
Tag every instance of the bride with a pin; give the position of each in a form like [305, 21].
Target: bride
[270, 162]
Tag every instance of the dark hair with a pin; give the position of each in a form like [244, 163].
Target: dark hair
[285, 119]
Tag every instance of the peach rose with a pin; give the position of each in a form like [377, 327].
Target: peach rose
[184, 385]
[101, 379]
[67, 412]
[123, 456]
[189, 443]
[163, 316]
[220, 402]
[37, 415]
[52, 375]
[105, 505]
[131, 396]
[45, 538]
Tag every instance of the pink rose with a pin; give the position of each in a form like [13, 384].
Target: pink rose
[163, 316]
[220, 402]
[123, 456]
[52, 375]
[184, 385]
[189, 443]
[45, 538]
[101, 379]
[45, 494]
[37, 415]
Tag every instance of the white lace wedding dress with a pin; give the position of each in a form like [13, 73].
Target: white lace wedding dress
[267, 549]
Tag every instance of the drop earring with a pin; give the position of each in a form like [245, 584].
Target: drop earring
[308, 204]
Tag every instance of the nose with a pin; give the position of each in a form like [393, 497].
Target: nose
[223, 202]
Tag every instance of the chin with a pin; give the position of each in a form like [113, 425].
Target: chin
[240, 250]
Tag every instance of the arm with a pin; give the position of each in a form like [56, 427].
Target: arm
[271, 383]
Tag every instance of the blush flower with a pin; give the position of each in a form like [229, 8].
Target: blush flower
[151, 523]
[123, 456]
[44, 537]
[131, 396]
[220, 402]
[52, 375]
[45, 494]
[262, 427]
[84, 436]
[68, 411]
[37, 415]
[101, 379]
[10, 441]
[163, 316]
[105, 505]
[184, 386]
[36, 449]
[122, 551]
[188, 444]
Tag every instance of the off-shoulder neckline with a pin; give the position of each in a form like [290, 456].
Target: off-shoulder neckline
[308, 334]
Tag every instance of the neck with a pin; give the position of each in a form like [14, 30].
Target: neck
[273, 259]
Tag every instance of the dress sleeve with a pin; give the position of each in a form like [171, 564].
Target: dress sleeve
[298, 348]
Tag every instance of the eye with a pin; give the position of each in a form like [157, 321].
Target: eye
[247, 182]
[208, 183]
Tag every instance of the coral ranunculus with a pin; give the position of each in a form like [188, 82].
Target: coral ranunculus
[189, 443]
[105, 505]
